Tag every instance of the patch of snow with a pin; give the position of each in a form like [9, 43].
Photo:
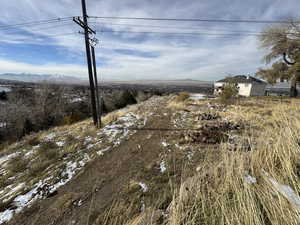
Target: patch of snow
[93, 145]
[8, 157]
[165, 144]
[49, 137]
[196, 97]
[143, 207]
[6, 215]
[60, 143]
[88, 139]
[76, 100]
[80, 203]
[116, 133]
[27, 199]
[28, 153]
[163, 167]
[101, 152]
[35, 147]
[286, 191]
[249, 179]
[144, 187]
[190, 155]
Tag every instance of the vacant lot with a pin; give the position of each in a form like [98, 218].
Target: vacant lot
[168, 160]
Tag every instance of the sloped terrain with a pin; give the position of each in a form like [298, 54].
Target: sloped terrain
[160, 162]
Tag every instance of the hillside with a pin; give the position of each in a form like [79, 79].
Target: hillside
[163, 161]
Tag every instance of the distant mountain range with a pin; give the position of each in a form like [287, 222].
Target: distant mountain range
[35, 78]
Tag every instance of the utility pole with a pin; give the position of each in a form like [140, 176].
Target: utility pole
[87, 32]
[99, 109]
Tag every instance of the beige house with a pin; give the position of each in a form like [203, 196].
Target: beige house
[247, 85]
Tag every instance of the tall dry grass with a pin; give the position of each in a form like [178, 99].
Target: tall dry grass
[222, 191]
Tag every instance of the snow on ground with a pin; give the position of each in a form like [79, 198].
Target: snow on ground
[76, 100]
[101, 152]
[196, 97]
[108, 137]
[51, 136]
[22, 201]
[249, 179]
[8, 157]
[60, 143]
[144, 187]
[165, 144]
[163, 167]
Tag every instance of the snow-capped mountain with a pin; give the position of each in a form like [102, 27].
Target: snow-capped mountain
[36, 78]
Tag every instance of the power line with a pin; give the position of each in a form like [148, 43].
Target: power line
[36, 29]
[184, 33]
[172, 27]
[34, 23]
[34, 39]
[194, 20]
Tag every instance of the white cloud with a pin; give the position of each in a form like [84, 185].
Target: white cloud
[9, 66]
[177, 57]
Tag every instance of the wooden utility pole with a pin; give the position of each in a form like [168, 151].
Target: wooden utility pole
[99, 109]
[87, 32]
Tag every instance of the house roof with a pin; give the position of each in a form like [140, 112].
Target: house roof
[241, 79]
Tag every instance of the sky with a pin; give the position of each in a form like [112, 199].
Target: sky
[126, 49]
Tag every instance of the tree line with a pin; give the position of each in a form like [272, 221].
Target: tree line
[30, 109]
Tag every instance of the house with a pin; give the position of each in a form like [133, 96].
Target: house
[247, 85]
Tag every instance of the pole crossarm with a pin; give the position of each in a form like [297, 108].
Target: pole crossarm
[83, 25]
[91, 63]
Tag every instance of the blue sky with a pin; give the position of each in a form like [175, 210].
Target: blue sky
[59, 49]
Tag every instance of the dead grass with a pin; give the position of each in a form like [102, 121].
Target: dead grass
[38, 167]
[220, 194]
[178, 104]
[113, 116]
[4, 181]
[18, 164]
[49, 150]
[182, 96]
[32, 140]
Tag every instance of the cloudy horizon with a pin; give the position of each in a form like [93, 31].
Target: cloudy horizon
[58, 48]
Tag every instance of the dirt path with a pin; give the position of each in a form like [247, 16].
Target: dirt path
[97, 186]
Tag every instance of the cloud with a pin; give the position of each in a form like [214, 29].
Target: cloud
[9, 66]
[144, 56]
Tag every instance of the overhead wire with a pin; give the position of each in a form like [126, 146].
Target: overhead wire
[184, 33]
[194, 20]
[171, 27]
[35, 23]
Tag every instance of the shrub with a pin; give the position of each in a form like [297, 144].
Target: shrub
[38, 167]
[70, 119]
[33, 140]
[18, 164]
[182, 97]
[48, 150]
[4, 181]
[229, 91]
